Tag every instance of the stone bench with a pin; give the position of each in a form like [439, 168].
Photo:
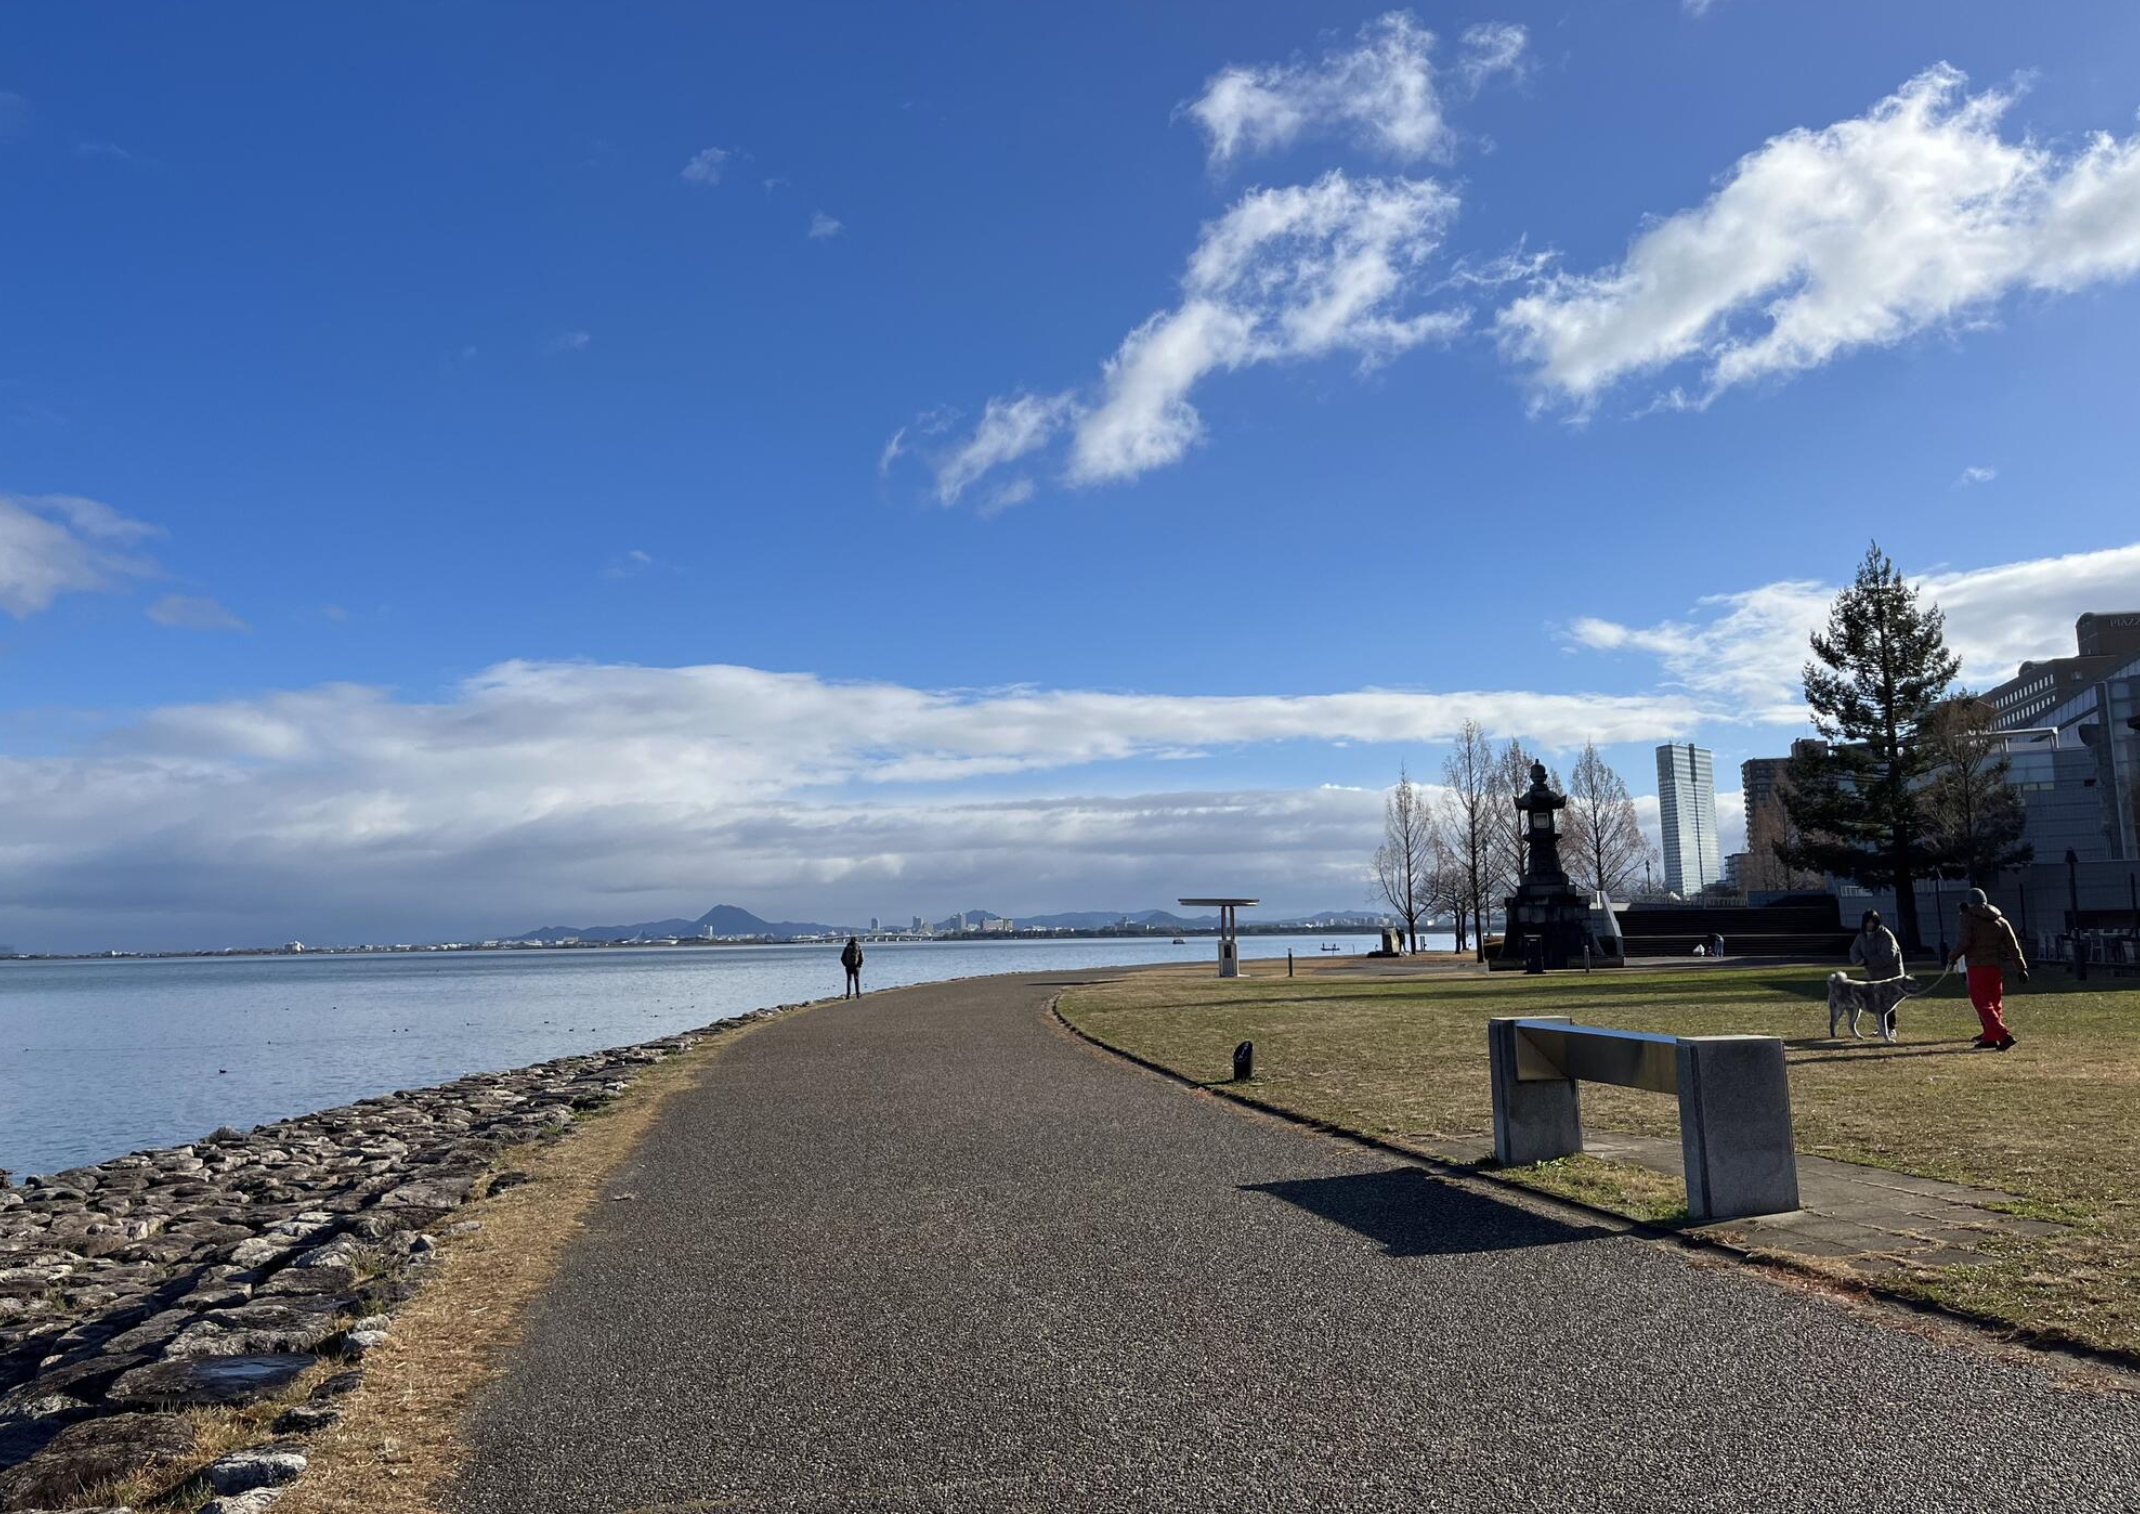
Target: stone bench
[1734, 1104]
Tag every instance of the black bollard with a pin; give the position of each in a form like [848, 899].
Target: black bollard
[1289, 962]
[1534, 956]
[1244, 1062]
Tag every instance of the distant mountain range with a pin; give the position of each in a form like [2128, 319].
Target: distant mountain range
[723, 919]
[731, 920]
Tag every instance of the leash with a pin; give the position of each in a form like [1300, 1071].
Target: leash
[1944, 974]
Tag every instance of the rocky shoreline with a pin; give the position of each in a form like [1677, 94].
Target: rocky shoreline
[143, 1296]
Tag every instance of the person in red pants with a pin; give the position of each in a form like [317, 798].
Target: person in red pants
[1989, 943]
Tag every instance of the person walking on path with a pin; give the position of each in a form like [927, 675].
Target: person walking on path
[1989, 943]
[851, 959]
[1875, 949]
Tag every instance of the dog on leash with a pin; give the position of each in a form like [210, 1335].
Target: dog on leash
[1879, 997]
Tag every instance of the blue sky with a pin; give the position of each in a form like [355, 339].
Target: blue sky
[433, 409]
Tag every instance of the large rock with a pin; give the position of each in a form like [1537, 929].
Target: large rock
[87, 1378]
[207, 1380]
[263, 1467]
[264, 1328]
[96, 1451]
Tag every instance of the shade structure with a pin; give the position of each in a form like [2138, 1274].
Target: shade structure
[1229, 922]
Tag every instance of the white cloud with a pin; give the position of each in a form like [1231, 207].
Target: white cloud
[538, 786]
[629, 564]
[893, 447]
[572, 341]
[1300, 272]
[1491, 48]
[1016, 492]
[1381, 89]
[1917, 215]
[707, 166]
[1975, 474]
[823, 226]
[1008, 430]
[192, 613]
[1743, 653]
[56, 544]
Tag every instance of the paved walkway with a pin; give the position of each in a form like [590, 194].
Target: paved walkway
[929, 1252]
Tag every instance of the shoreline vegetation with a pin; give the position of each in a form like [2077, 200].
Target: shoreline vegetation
[1401, 1060]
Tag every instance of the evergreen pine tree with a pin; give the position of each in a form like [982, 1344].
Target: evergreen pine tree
[1879, 671]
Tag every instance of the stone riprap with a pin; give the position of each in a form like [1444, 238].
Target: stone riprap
[216, 1274]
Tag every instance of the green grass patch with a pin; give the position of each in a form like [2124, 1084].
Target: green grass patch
[2053, 1123]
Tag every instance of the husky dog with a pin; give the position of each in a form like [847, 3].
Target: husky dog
[1857, 995]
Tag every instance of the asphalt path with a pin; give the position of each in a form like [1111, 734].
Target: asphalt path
[928, 1251]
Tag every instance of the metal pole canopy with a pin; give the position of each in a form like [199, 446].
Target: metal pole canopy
[1229, 924]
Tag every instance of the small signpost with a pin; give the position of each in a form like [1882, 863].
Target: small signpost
[1229, 921]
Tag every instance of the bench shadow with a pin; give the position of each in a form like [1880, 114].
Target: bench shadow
[1411, 1214]
[1849, 1051]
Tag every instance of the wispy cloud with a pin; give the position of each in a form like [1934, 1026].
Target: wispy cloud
[1744, 652]
[1008, 430]
[628, 564]
[1381, 89]
[191, 613]
[572, 341]
[102, 150]
[707, 165]
[1916, 215]
[1973, 475]
[54, 544]
[823, 226]
[1015, 492]
[1294, 273]
[893, 446]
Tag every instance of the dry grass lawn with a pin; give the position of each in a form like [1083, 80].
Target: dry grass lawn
[2053, 1122]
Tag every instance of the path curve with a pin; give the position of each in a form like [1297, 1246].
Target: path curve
[927, 1251]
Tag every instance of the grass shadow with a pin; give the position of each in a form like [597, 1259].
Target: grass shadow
[1411, 1214]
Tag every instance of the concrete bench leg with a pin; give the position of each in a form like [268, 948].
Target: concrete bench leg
[1735, 1127]
[1533, 1122]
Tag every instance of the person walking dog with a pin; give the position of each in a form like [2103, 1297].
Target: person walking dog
[1989, 943]
[851, 959]
[1875, 949]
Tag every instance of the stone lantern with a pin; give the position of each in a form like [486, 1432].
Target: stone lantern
[1544, 908]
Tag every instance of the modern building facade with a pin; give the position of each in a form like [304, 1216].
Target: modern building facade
[1686, 815]
[2102, 641]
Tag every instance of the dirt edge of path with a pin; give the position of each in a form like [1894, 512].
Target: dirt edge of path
[399, 1442]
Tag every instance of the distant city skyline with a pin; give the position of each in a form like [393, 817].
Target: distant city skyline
[823, 457]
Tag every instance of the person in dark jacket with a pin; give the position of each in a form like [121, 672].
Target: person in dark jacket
[851, 959]
[1875, 949]
[1990, 945]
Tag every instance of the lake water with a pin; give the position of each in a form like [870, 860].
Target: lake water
[105, 1056]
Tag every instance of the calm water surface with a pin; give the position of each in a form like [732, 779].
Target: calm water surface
[102, 1057]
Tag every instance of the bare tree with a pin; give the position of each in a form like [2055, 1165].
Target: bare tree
[1606, 846]
[1512, 771]
[1769, 833]
[1447, 891]
[1471, 821]
[1404, 864]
